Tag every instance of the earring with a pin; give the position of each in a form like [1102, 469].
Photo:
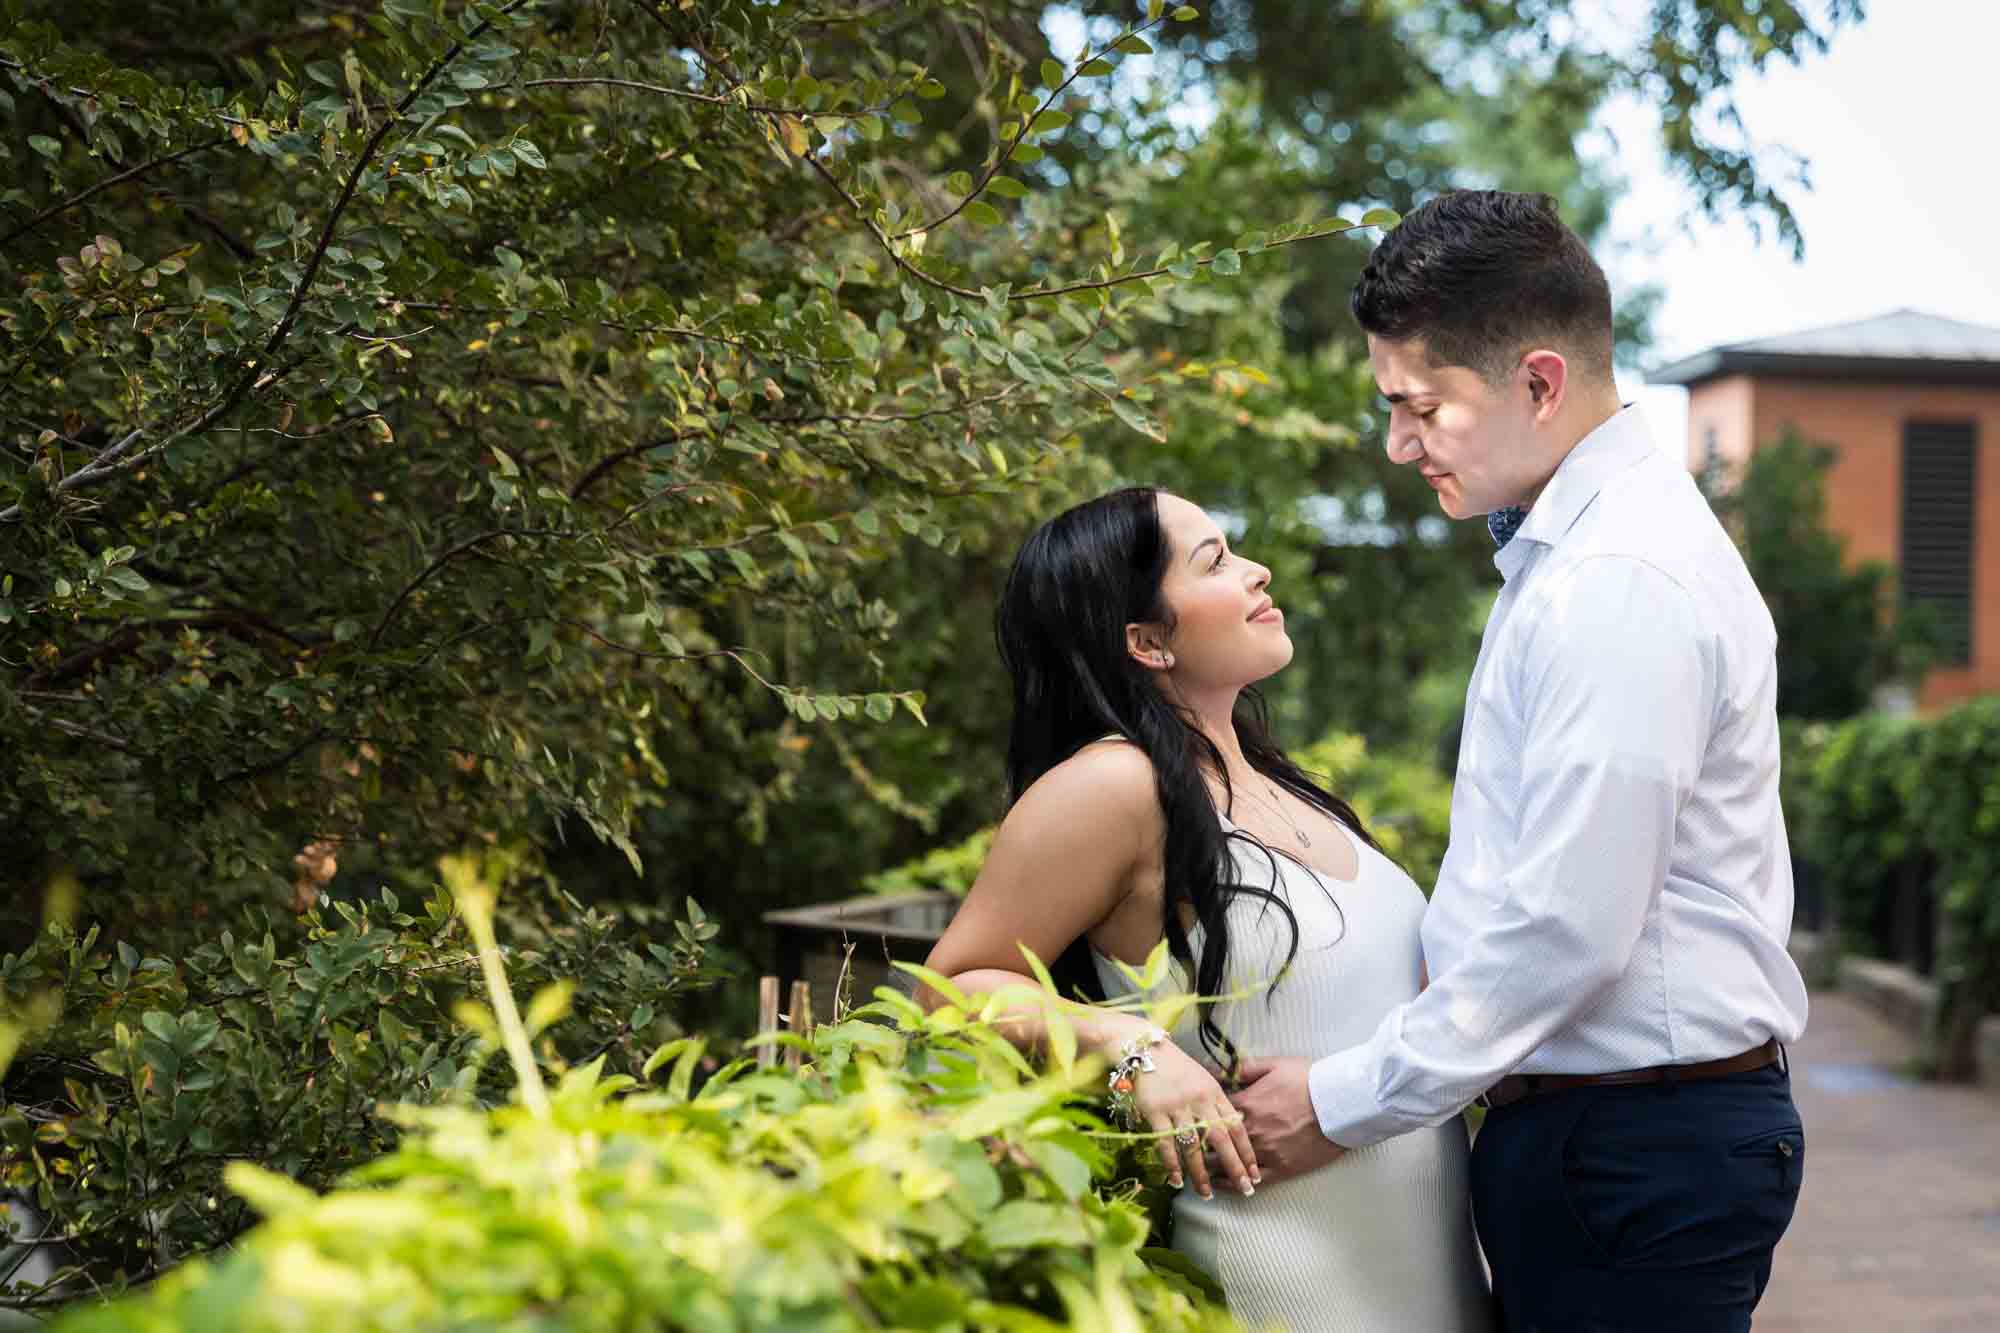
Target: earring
[1167, 661]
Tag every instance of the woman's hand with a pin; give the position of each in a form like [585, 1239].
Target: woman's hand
[1182, 1103]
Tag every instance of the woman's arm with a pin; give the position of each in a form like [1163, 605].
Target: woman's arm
[1069, 854]
[1066, 857]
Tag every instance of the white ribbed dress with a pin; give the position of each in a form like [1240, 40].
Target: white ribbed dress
[1381, 1241]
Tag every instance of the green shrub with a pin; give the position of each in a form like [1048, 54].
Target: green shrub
[951, 868]
[1958, 813]
[141, 1076]
[1800, 744]
[916, 1173]
[1860, 823]
[1887, 799]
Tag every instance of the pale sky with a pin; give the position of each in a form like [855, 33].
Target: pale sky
[1898, 122]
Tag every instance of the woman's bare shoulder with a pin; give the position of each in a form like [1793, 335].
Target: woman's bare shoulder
[1111, 779]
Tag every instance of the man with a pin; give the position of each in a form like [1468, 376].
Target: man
[1606, 942]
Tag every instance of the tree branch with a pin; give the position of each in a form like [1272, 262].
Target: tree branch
[1006, 154]
[361, 160]
[623, 326]
[105, 184]
[446, 558]
[254, 374]
[110, 463]
[609, 461]
[127, 636]
[707, 99]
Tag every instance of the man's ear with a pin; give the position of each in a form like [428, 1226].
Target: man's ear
[1146, 642]
[1547, 377]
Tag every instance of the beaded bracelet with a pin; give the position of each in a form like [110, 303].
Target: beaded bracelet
[1134, 1058]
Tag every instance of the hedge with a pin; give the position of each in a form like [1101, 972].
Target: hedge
[915, 1173]
[1889, 799]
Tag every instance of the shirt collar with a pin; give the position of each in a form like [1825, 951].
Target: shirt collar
[1617, 444]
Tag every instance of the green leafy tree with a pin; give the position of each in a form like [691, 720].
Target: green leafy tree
[1837, 638]
[521, 446]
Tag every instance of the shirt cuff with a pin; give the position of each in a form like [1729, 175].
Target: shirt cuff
[1343, 1099]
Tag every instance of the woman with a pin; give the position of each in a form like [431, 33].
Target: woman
[1145, 804]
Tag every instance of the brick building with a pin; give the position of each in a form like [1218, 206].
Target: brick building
[1910, 403]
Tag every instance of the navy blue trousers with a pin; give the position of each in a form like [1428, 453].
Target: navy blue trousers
[1632, 1209]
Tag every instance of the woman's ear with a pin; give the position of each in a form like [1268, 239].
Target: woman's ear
[1147, 644]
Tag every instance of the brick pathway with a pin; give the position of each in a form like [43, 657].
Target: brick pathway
[1898, 1228]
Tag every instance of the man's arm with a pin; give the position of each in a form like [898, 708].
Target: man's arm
[1616, 683]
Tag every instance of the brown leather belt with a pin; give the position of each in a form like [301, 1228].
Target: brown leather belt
[1516, 1086]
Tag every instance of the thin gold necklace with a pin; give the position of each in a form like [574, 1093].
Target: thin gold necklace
[1276, 806]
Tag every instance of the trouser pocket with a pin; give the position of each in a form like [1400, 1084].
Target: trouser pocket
[1650, 1197]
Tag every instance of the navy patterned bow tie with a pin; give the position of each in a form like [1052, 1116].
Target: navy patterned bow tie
[1504, 523]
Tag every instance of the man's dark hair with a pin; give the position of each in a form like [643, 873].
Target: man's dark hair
[1482, 276]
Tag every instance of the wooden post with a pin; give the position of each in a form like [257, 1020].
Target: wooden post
[767, 1018]
[802, 1021]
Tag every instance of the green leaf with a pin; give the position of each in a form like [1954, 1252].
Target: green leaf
[1026, 1224]
[880, 707]
[1052, 73]
[1186, 14]
[1025, 153]
[550, 1005]
[46, 146]
[270, 1193]
[983, 213]
[528, 153]
[1227, 263]
[1006, 187]
[1096, 67]
[1049, 122]
[1070, 1172]
[1381, 217]
[1129, 413]
[870, 127]
[1133, 45]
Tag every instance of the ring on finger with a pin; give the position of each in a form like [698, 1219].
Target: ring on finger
[1187, 1138]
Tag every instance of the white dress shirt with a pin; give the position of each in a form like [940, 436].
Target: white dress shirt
[1618, 890]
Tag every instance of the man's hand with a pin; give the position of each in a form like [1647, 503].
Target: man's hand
[1276, 1103]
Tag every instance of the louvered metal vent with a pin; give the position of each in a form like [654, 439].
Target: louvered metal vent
[1939, 492]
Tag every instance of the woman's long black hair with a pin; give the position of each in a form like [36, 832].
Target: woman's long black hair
[1077, 582]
